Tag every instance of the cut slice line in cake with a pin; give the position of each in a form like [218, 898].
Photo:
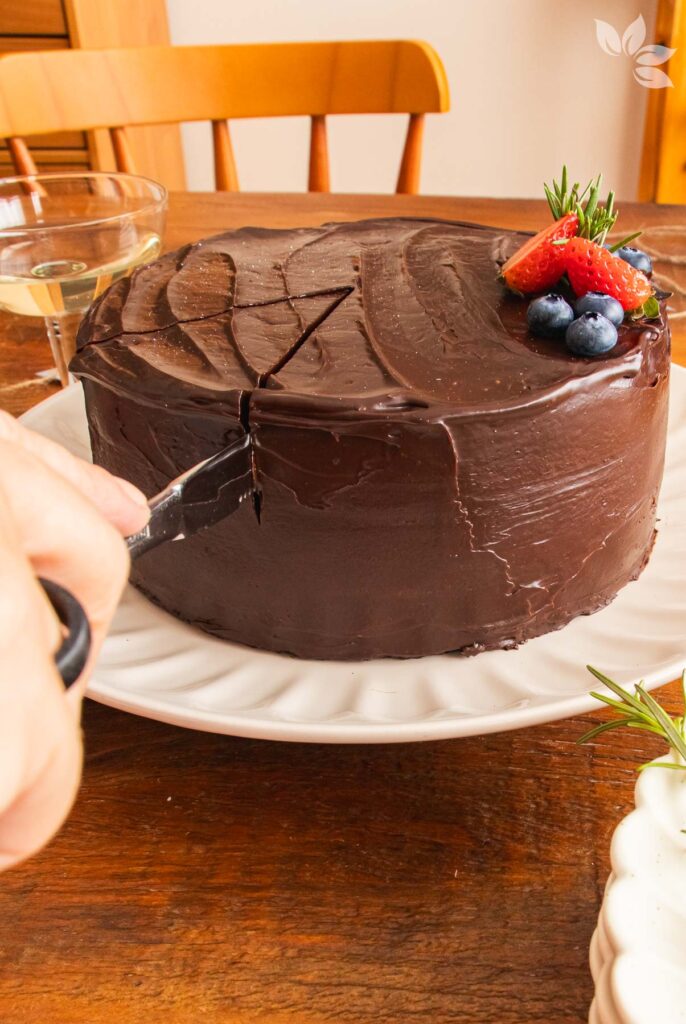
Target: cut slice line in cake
[173, 289]
[220, 353]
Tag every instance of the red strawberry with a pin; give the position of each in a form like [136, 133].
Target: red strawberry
[591, 268]
[540, 264]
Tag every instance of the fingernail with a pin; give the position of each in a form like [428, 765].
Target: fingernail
[132, 492]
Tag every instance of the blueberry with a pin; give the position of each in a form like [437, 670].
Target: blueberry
[591, 335]
[636, 258]
[598, 302]
[549, 315]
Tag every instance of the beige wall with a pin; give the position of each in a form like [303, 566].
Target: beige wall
[531, 89]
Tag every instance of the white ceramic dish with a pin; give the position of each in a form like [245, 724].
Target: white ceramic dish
[638, 951]
[156, 666]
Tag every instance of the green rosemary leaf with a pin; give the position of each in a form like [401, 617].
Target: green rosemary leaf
[582, 195]
[662, 764]
[625, 241]
[591, 205]
[553, 203]
[635, 723]
[603, 727]
[623, 709]
[675, 738]
[623, 694]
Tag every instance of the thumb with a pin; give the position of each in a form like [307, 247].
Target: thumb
[116, 499]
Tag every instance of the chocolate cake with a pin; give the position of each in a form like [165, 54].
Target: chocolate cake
[429, 477]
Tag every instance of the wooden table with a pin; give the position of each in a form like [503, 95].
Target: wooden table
[204, 878]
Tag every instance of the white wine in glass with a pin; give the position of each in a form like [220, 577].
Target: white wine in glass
[65, 238]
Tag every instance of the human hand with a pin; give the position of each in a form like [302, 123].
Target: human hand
[63, 519]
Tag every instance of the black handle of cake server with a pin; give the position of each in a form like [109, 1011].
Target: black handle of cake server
[197, 498]
[73, 653]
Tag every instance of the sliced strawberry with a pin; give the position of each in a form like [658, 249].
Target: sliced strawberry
[591, 268]
[540, 264]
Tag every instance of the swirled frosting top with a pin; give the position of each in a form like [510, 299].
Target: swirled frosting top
[411, 310]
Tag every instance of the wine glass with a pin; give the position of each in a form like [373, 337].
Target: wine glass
[65, 238]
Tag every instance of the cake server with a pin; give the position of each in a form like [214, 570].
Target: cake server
[198, 498]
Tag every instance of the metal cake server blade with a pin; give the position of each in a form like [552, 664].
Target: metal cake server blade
[198, 498]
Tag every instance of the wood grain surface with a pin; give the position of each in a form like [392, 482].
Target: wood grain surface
[32, 17]
[204, 878]
[54, 24]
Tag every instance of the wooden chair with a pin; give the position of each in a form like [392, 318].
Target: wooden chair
[80, 90]
[663, 163]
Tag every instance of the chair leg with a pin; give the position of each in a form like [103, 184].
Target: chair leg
[411, 163]
[318, 178]
[122, 151]
[21, 157]
[225, 173]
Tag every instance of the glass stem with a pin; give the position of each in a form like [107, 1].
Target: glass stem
[62, 336]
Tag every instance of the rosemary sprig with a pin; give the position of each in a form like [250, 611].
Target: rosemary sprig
[596, 218]
[641, 711]
[562, 199]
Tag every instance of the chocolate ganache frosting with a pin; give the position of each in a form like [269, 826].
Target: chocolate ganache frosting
[428, 476]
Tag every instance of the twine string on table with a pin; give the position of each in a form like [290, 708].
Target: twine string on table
[19, 386]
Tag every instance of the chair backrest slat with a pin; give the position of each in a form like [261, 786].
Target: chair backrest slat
[84, 90]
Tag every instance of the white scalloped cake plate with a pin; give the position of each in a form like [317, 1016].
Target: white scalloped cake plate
[156, 666]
